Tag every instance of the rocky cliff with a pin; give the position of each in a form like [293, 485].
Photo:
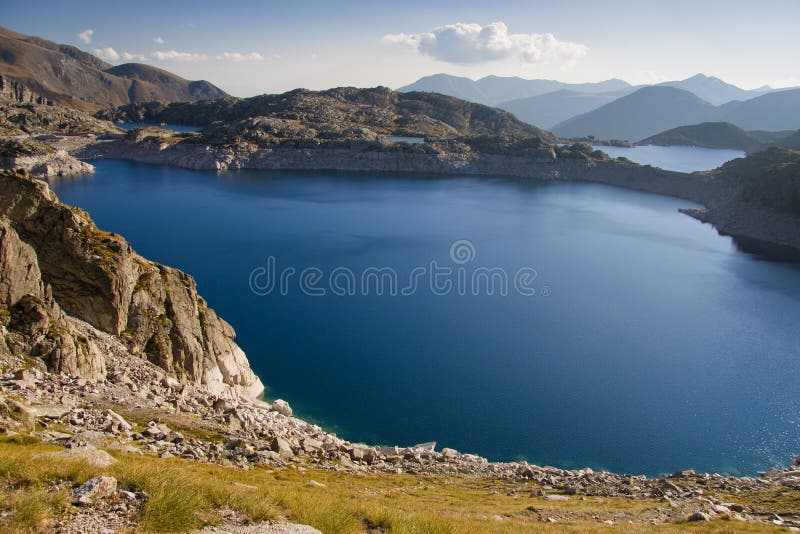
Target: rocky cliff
[69, 270]
[17, 92]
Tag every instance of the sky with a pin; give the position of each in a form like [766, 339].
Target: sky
[250, 47]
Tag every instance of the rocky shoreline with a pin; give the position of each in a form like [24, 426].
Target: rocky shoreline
[758, 229]
[581, 167]
[729, 216]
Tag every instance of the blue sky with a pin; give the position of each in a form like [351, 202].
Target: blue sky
[249, 47]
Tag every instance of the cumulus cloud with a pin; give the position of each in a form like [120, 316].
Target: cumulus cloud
[128, 56]
[106, 54]
[158, 40]
[174, 55]
[86, 36]
[475, 43]
[237, 56]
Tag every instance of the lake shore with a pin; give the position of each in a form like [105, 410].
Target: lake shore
[727, 215]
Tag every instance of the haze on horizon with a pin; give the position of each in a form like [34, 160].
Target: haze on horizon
[248, 47]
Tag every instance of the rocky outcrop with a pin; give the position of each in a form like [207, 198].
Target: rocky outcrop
[17, 92]
[40, 159]
[96, 277]
[28, 120]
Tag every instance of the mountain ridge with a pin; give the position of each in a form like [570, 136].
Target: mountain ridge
[67, 75]
[492, 90]
[544, 103]
[654, 109]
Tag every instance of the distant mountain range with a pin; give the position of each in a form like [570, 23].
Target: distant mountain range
[492, 90]
[652, 110]
[68, 75]
[550, 109]
[551, 104]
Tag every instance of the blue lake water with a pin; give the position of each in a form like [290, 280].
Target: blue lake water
[675, 158]
[651, 344]
[183, 128]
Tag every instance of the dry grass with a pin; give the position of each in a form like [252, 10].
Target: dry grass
[185, 495]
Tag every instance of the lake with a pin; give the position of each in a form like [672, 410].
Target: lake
[183, 128]
[675, 158]
[650, 343]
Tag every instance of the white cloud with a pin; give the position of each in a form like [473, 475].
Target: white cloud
[158, 40]
[106, 54]
[474, 43]
[128, 56]
[86, 36]
[237, 56]
[174, 55]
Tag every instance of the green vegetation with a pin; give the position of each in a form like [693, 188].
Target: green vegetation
[184, 495]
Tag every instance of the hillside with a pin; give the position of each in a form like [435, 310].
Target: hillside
[491, 90]
[638, 115]
[69, 76]
[772, 112]
[792, 141]
[768, 179]
[341, 113]
[758, 202]
[707, 135]
[550, 109]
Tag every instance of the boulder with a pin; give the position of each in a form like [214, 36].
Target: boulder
[51, 411]
[22, 413]
[117, 422]
[99, 487]
[88, 454]
[449, 454]
[311, 445]
[282, 407]
[88, 437]
[282, 447]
